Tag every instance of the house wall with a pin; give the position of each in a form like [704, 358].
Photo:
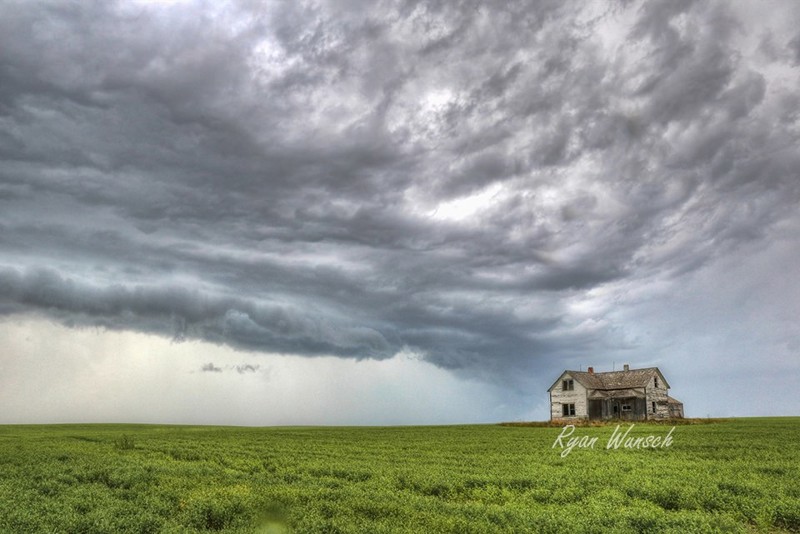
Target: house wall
[659, 395]
[577, 397]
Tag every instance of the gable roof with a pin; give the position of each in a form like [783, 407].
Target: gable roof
[634, 378]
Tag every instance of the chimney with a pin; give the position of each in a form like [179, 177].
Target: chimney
[591, 370]
[626, 367]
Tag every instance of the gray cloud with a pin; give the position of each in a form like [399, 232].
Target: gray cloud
[794, 47]
[298, 179]
[247, 368]
[210, 368]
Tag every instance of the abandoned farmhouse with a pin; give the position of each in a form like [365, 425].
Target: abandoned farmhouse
[630, 394]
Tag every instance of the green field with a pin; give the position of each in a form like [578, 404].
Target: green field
[741, 475]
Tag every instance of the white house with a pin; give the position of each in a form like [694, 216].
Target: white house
[632, 394]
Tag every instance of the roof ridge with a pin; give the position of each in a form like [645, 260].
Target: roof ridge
[615, 371]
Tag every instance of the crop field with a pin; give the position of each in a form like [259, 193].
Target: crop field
[741, 475]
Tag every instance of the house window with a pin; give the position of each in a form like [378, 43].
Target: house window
[655, 381]
[568, 385]
[626, 407]
[654, 406]
[567, 409]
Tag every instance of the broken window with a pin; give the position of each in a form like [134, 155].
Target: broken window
[626, 407]
[568, 409]
[655, 381]
[567, 385]
[654, 406]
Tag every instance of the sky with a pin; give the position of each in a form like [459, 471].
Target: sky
[394, 212]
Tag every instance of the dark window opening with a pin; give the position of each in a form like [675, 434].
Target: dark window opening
[567, 385]
[568, 409]
[626, 407]
[655, 381]
[654, 406]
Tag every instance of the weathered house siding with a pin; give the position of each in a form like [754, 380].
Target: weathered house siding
[559, 397]
[656, 391]
[675, 407]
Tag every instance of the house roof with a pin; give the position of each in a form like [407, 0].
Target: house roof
[671, 400]
[633, 378]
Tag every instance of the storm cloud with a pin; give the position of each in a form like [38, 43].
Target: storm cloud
[486, 186]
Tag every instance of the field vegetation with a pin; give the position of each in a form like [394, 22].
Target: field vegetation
[740, 475]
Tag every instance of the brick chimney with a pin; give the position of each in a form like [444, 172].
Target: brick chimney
[626, 367]
[591, 370]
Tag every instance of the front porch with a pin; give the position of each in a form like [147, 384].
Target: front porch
[625, 404]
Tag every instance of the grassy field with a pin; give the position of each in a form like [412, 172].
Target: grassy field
[737, 476]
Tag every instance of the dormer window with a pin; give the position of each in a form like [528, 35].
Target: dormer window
[567, 385]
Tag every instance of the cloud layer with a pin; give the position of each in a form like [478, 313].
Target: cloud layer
[483, 186]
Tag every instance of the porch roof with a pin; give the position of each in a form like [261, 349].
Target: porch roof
[616, 394]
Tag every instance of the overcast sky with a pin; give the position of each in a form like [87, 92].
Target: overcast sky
[360, 212]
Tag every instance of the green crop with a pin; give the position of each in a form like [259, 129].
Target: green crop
[741, 475]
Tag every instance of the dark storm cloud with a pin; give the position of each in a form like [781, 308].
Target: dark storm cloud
[298, 178]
